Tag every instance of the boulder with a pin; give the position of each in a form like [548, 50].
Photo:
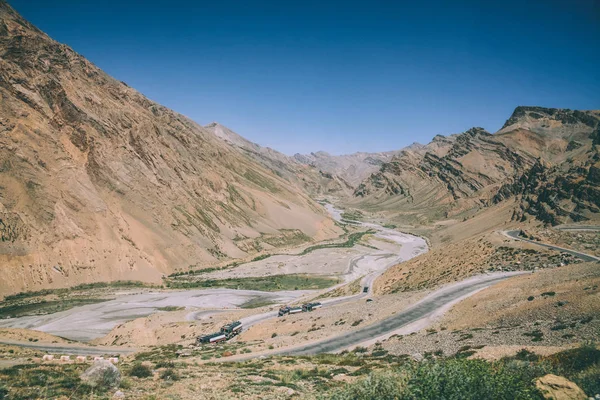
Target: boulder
[559, 388]
[102, 374]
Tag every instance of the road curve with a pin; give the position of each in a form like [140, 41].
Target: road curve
[577, 227]
[426, 307]
[586, 257]
[418, 311]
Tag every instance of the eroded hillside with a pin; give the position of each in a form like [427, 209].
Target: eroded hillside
[545, 158]
[99, 183]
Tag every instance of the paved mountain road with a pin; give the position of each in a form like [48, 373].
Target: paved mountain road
[586, 257]
[418, 311]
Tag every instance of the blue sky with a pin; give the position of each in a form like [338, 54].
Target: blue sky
[345, 76]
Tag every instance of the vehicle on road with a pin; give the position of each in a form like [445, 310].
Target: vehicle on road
[366, 289]
[232, 329]
[289, 310]
[212, 338]
[227, 332]
[311, 306]
[285, 310]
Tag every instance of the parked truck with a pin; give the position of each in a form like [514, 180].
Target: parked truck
[227, 332]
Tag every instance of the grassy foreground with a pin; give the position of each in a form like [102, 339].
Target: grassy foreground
[367, 376]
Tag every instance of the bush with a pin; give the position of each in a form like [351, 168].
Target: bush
[169, 375]
[3, 393]
[164, 364]
[375, 386]
[451, 379]
[140, 371]
[526, 355]
[588, 380]
[575, 360]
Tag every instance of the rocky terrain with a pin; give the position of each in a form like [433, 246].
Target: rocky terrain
[315, 179]
[351, 168]
[100, 183]
[546, 158]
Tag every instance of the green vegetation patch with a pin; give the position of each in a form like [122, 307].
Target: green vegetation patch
[261, 181]
[83, 286]
[353, 238]
[353, 215]
[264, 283]
[171, 308]
[31, 381]
[44, 307]
[257, 302]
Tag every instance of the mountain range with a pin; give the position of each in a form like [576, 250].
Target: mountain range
[99, 183]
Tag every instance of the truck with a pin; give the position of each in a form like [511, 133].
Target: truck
[212, 338]
[289, 310]
[227, 332]
[232, 329]
[311, 306]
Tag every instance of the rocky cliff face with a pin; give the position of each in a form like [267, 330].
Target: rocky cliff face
[99, 183]
[547, 158]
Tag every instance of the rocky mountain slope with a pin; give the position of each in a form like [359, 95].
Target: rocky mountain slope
[99, 183]
[352, 168]
[306, 176]
[547, 158]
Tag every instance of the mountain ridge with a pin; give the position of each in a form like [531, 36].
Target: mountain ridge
[100, 183]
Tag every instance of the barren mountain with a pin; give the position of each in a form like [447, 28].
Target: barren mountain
[548, 158]
[352, 168]
[99, 183]
[306, 176]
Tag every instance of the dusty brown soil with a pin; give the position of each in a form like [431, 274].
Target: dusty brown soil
[554, 308]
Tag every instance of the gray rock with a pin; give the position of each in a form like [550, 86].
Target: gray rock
[119, 395]
[102, 374]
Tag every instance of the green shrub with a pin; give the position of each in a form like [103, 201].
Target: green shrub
[375, 386]
[575, 360]
[526, 355]
[164, 364]
[588, 380]
[140, 371]
[450, 379]
[169, 375]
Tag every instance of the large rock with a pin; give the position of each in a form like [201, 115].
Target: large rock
[102, 374]
[559, 388]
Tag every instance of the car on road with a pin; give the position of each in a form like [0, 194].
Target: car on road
[366, 289]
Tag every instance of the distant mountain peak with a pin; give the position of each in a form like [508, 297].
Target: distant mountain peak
[533, 115]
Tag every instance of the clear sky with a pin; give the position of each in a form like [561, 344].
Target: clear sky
[339, 76]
